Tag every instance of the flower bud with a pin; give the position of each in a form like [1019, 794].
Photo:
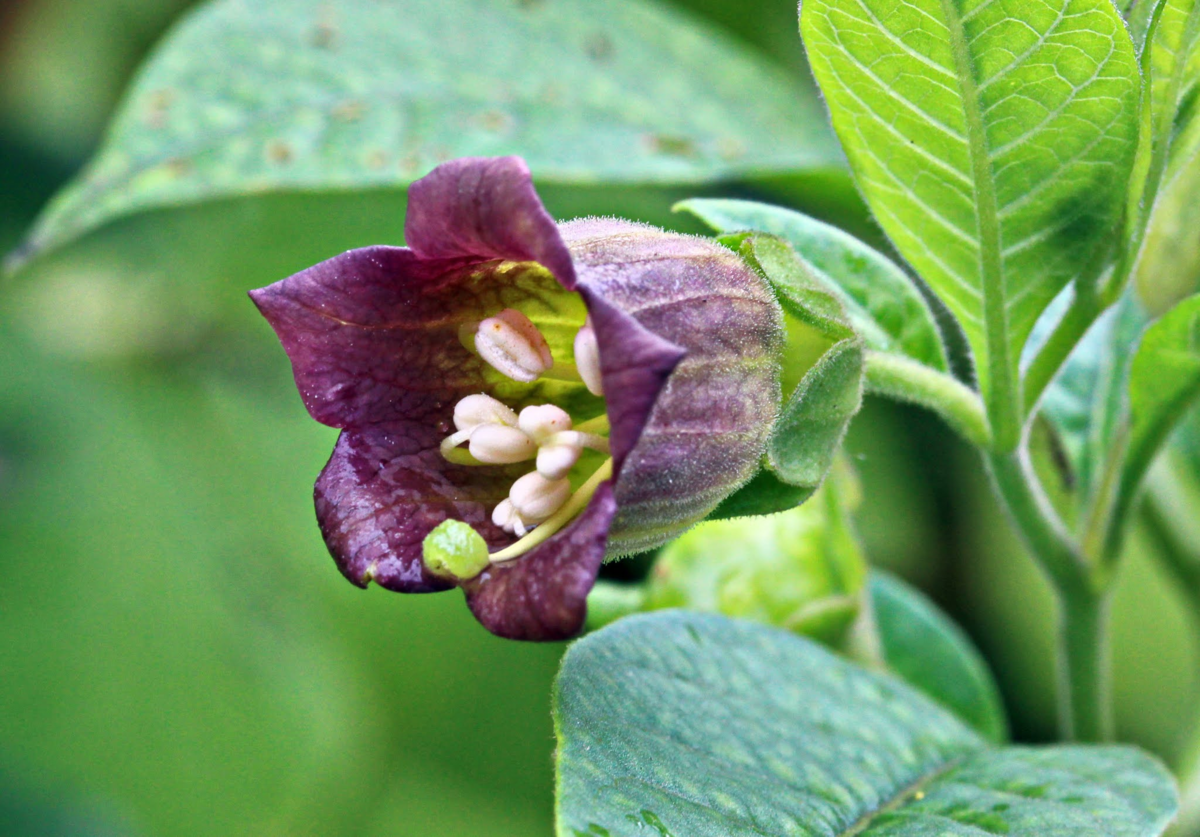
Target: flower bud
[474, 410]
[512, 345]
[709, 424]
[496, 444]
[535, 498]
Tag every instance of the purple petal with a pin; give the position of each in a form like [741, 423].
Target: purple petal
[385, 488]
[373, 335]
[543, 594]
[484, 208]
[634, 365]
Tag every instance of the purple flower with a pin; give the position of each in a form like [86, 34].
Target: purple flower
[569, 392]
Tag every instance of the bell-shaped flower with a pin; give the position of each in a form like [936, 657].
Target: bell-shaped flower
[521, 399]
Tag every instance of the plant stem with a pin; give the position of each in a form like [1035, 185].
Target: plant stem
[1084, 683]
[907, 380]
[1036, 520]
[1084, 676]
[1083, 311]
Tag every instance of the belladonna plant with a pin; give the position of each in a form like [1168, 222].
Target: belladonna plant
[520, 400]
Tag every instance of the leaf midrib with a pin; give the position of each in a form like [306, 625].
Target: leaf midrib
[897, 801]
[1001, 395]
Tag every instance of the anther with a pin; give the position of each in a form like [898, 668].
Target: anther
[506, 517]
[496, 444]
[512, 345]
[478, 409]
[556, 461]
[535, 498]
[541, 421]
[587, 358]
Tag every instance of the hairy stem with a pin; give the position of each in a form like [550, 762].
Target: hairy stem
[907, 380]
[1084, 675]
[1085, 690]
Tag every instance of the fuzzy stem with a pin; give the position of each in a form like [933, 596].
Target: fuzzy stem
[907, 380]
[1084, 675]
[1084, 684]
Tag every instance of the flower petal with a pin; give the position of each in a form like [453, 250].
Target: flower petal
[385, 488]
[372, 335]
[485, 208]
[543, 594]
[634, 366]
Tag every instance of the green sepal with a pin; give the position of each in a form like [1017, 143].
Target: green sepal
[813, 422]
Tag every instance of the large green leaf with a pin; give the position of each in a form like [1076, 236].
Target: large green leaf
[922, 645]
[366, 95]
[882, 302]
[688, 725]
[994, 147]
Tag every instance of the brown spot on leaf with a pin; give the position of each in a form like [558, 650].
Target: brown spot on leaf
[730, 148]
[325, 31]
[494, 120]
[279, 152]
[158, 105]
[377, 159]
[672, 146]
[599, 47]
[178, 166]
[350, 110]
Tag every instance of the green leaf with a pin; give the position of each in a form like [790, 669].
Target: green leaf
[810, 428]
[922, 646]
[679, 724]
[1086, 404]
[1163, 382]
[1172, 64]
[1168, 268]
[362, 95]
[882, 302]
[993, 148]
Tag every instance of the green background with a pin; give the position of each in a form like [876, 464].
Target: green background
[178, 655]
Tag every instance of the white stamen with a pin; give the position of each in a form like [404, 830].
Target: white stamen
[496, 444]
[587, 358]
[542, 421]
[512, 344]
[556, 461]
[506, 517]
[478, 409]
[535, 498]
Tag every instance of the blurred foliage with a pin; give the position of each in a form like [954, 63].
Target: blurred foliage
[177, 654]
